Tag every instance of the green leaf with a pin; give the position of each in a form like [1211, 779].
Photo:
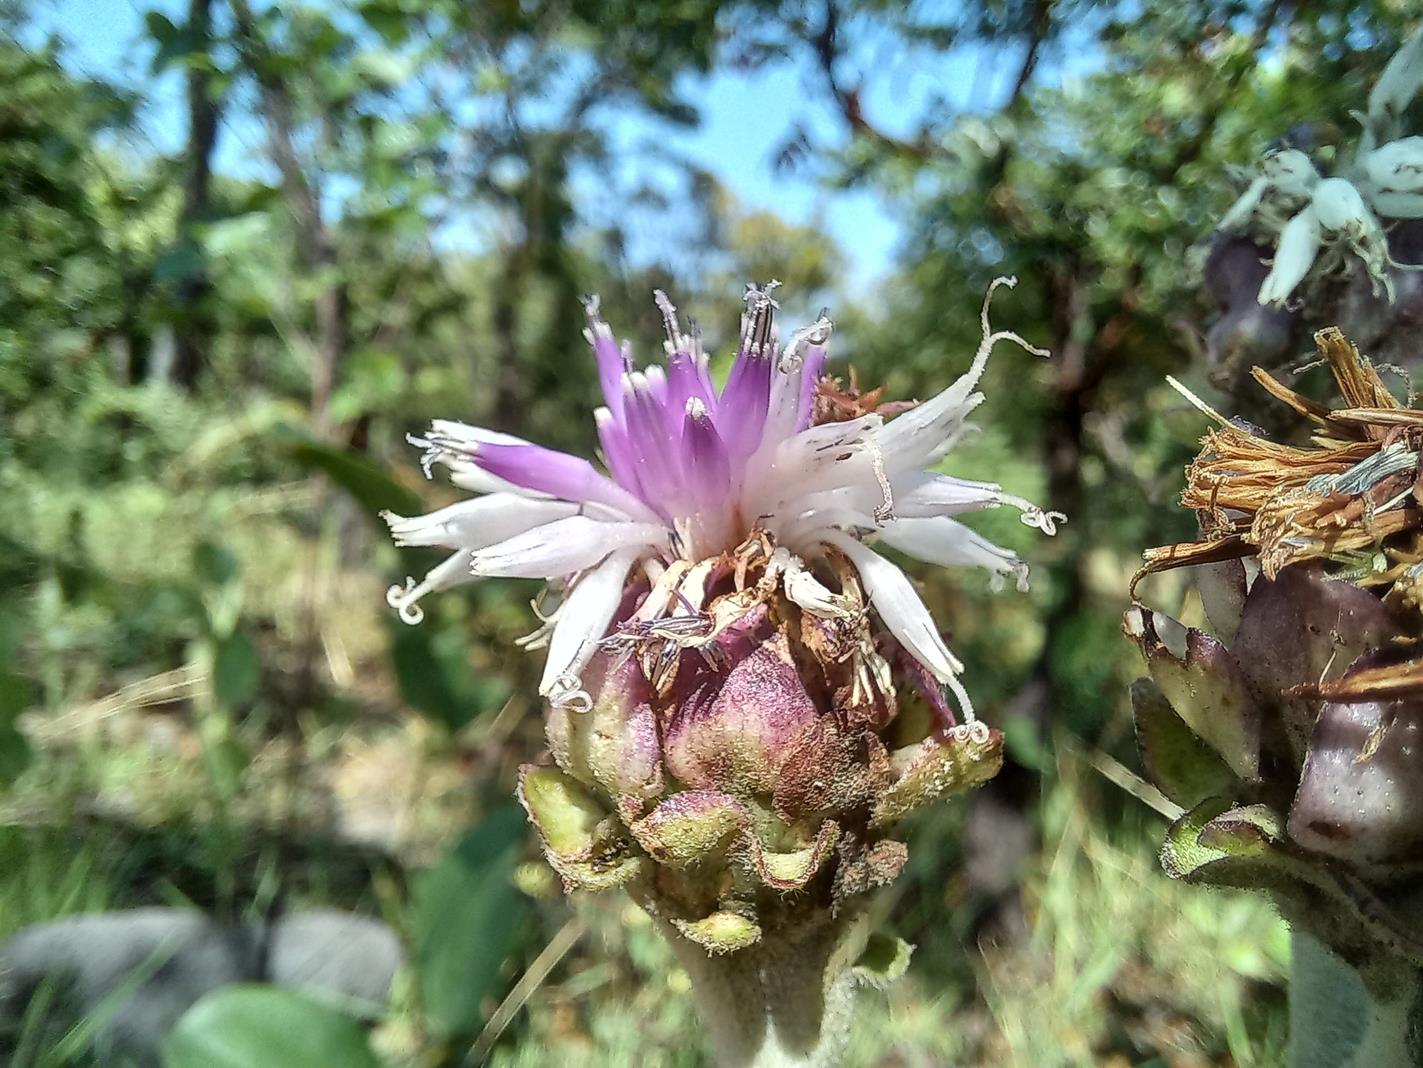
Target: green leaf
[433, 672]
[387, 19]
[223, 754]
[467, 914]
[1182, 766]
[236, 669]
[174, 42]
[1182, 854]
[179, 261]
[214, 564]
[373, 487]
[15, 752]
[1240, 847]
[253, 1026]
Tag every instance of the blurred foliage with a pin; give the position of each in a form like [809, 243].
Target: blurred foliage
[207, 372]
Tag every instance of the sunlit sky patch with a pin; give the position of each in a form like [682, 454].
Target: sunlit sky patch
[747, 116]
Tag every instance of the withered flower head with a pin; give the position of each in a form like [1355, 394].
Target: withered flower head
[1290, 740]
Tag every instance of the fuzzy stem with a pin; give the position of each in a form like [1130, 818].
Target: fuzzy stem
[1336, 1021]
[785, 1002]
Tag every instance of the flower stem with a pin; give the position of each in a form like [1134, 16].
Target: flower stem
[785, 1002]
[1336, 1021]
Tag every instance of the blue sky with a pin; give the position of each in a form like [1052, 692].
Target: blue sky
[745, 117]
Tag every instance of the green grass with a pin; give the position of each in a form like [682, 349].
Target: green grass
[1120, 966]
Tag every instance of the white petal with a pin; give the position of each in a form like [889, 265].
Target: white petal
[1299, 244]
[1396, 167]
[562, 547]
[807, 591]
[899, 606]
[585, 615]
[1339, 206]
[933, 495]
[477, 523]
[825, 457]
[1238, 214]
[1291, 172]
[921, 436]
[1398, 205]
[473, 435]
[452, 571]
[949, 543]
[1397, 85]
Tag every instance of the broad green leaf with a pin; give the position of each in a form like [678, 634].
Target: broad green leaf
[373, 487]
[467, 916]
[254, 1026]
[432, 669]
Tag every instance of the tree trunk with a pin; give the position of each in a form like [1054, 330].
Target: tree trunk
[315, 245]
[192, 330]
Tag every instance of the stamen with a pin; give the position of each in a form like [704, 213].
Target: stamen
[406, 601]
[884, 511]
[1033, 516]
[757, 323]
[568, 692]
[676, 340]
[817, 333]
[1047, 522]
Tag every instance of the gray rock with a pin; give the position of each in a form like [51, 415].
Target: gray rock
[335, 953]
[130, 974]
[133, 974]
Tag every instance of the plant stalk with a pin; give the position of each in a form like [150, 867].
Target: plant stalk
[1337, 1021]
[786, 1002]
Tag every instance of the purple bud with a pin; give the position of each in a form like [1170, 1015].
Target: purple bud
[614, 744]
[738, 711]
[1361, 796]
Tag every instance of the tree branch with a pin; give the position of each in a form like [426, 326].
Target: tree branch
[315, 247]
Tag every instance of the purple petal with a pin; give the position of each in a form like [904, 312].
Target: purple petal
[741, 412]
[708, 466]
[685, 380]
[658, 469]
[559, 474]
[618, 453]
[612, 360]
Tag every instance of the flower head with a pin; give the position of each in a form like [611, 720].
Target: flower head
[1320, 225]
[1285, 738]
[715, 501]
